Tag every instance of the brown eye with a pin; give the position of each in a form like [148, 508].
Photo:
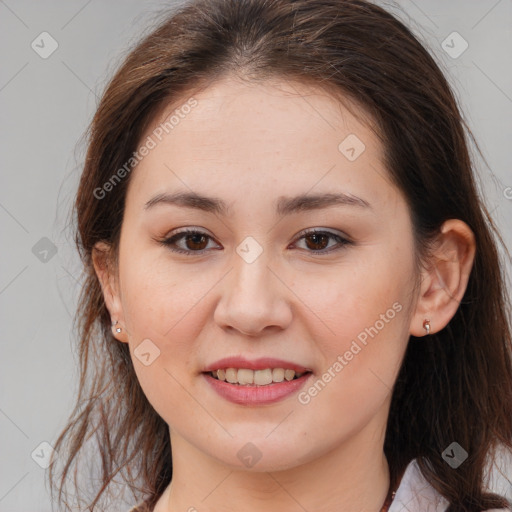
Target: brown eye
[319, 241]
[196, 242]
[188, 242]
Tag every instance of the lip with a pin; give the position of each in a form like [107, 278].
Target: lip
[256, 395]
[256, 364]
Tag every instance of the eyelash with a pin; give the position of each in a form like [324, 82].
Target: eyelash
[170, 241]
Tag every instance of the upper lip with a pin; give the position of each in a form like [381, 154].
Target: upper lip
[256, 364]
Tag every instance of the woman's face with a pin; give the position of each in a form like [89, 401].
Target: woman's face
[273, 162]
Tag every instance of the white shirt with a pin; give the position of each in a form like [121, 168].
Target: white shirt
[415, 494]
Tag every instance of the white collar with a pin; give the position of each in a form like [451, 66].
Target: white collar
[416, 494]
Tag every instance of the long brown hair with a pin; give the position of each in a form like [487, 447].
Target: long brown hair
[457, 386]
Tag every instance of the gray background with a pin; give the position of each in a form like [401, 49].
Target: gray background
[46, 105]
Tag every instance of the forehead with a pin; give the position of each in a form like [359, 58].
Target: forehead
[232, 106]
[279, 134]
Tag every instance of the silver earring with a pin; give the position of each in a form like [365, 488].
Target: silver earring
[118, 329]
[426, 325]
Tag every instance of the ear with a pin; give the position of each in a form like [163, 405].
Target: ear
[107, 276]
[445, 277]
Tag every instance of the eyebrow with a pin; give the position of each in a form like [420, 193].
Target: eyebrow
[284, 205]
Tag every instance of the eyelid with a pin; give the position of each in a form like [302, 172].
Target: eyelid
[309, 231]
[188, 229]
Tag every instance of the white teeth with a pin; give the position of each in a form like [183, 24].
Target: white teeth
[263, 377]
[289, 374]
[278, 375]
[245, 376]
[231, 375]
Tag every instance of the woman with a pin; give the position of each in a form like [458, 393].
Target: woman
[293, 296]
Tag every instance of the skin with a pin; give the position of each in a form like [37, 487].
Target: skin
[249, 145]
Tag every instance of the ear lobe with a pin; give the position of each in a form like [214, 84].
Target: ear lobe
[445, 280]
[106, 273]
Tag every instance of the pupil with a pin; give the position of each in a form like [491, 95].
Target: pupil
[315, 237]
[195, 241]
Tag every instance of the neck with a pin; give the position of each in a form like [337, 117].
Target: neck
[353, 476]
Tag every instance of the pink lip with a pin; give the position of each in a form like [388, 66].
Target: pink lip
[256, 364]
[256, 395]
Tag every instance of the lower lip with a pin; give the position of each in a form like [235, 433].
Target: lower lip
[256, 395]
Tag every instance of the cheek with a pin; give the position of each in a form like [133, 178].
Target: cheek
[160, 296]
[162, 308]
[353, 296]
[364, 311]
[361, 357]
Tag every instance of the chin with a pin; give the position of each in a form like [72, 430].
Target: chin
[261, 456]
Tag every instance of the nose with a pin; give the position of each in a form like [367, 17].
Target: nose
[254, 299]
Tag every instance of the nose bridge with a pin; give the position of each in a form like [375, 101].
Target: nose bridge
[252, 297]
[251, 289]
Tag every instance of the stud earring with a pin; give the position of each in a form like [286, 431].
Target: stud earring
[118, 329]
[426, 325]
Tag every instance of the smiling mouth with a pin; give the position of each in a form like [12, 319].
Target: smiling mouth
[248, 377]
